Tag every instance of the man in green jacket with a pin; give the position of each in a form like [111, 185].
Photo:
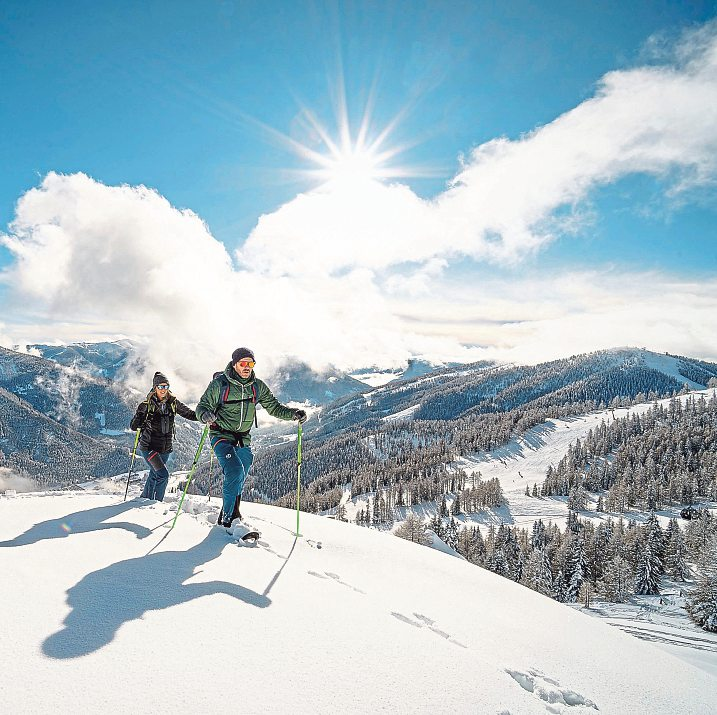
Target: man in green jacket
[228, 406]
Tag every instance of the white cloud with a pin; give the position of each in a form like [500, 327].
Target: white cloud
[337, 275]
[546, 317]
[104, 260]
[659, 120]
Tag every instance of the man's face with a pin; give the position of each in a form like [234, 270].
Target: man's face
[244, 367]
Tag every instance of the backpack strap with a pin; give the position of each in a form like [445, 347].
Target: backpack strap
[253, 390]
[224, 393]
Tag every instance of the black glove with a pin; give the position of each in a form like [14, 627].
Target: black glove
[140, 416]
[208, 418]
[300, 415]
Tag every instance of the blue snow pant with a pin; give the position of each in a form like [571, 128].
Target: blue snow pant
[156, 483]
[235, 463]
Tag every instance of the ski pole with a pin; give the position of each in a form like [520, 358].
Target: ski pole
[191, 474]
[131, 464]
[298, 478]
[211, 464]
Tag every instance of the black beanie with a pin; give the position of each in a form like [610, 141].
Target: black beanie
[240, 353]
[159, 379]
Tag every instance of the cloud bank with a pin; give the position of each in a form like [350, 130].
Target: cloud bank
[359, 273]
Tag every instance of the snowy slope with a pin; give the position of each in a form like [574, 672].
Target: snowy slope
[525, 460]
[107, 611]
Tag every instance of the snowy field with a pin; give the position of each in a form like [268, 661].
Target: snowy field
[524, 461]
[108, 611]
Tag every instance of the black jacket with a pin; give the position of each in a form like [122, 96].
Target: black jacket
[156, 421]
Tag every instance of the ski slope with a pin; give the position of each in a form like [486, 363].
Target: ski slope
[525, 460]
[105, 610]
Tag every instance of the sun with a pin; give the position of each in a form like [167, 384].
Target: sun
[351, 166]
[353, 154]
[347, 160]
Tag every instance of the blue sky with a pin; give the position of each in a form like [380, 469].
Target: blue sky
[189, 99]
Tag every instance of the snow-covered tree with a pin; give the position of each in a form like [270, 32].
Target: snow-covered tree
[470, 544]
[676, 553]
[649, 570]
[702, 601]
[618, 582]
[413, 529]
[537, 573]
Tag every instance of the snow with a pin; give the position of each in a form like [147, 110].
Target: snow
[662, 621]
[525, 460]
[402, 415]
[376, 379]
[668, 365]
[105, 606]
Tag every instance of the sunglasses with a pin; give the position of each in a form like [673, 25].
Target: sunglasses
[162, 387]
[246, 363]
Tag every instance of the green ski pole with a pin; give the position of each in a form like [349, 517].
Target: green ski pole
[191, 474]
[298, 478]
[131, 464]
[211, 465]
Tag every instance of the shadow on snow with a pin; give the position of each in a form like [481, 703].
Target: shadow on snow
[124, 591]
[80, 522]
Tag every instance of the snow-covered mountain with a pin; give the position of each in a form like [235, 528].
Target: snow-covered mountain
[51, 410]
[415, 367]
[454, 412]
[103, 359]
[105, 610]
[297, 382]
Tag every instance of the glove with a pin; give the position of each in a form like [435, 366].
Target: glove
[139, 417]
[300, 416]
[208, 417]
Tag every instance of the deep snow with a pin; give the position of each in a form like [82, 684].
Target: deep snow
[106, 610]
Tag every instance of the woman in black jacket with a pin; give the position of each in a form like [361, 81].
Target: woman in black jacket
[155, 418]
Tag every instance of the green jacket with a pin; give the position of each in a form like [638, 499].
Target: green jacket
[236, 413]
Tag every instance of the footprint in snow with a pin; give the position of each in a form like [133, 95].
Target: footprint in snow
[337, 578]
[554, 695]
[428, 623]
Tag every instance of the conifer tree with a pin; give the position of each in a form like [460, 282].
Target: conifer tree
[413, 529]
[451, 538]
[559, 587]
[618, 582]
[702, 601]
[649, 570]
[456, 504]
[676, 553]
